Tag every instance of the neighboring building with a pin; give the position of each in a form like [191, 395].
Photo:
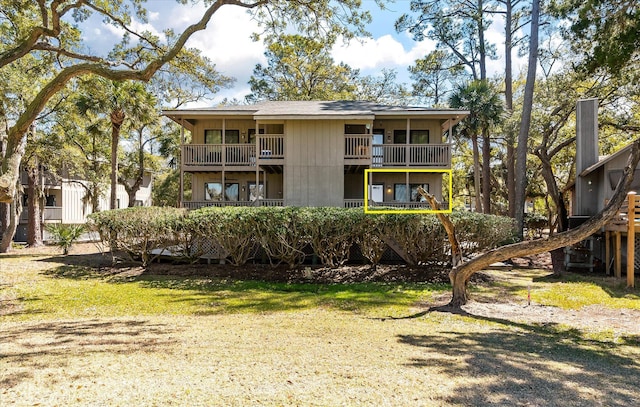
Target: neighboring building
[596, 180]
[64, 201]
[312, 153]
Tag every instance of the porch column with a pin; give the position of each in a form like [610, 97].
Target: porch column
[407, 191]
[224, 155]
[258, 166]
[180, 197]
[406, 139]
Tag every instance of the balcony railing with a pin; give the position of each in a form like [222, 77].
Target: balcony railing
[270, 147]
[359, 147]
[259, 202]
[51, 213]
[357, 203]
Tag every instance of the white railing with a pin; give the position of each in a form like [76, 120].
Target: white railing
[271, 146]
[50, 213]
[353, 203]
[408, 205]
[53, 213]
[357, 146]
[211, 154]
[437, 155]
[259, 202]
[202, 154]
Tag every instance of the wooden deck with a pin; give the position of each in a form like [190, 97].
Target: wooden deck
[626, 222]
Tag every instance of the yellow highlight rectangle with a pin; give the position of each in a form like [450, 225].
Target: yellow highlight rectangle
[404, 211]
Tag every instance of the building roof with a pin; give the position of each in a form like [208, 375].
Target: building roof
[605, 159]
[301, 110]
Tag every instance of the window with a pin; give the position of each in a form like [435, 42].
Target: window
[212, 191]
[214, 136]
[253, 194]
[400, 192]
[232, 136]
[50, 200]
[355, 129]
[416, 137]
[231, 192]
[252, 135]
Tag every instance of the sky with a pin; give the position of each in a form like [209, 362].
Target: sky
[227, 41]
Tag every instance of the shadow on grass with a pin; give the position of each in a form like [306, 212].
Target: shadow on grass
[614, 287]
[522, 364]
[28, 347]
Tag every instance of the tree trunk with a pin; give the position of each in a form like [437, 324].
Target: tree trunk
[449, 227]
[476, 172]
[525, 122]
[14, 208]
[34, 193]
[10, 167]
[486, 172]
[460, 276]
[508, 98]
[117, 118]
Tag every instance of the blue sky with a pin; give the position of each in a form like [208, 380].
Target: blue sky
[227, 41]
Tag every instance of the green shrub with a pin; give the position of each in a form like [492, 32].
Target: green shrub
[331, 232]
[282, 234]
[232, 228]
[65, 235]
[478, 232]
[285, 232]
[140, 231]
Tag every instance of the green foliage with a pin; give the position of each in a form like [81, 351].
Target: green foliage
[281, 233]
[332, 232]
[478, 232]
[142, 232]
[284, 233]
[65, 235]
[232, 228]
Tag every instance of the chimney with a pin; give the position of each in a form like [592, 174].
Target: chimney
[586, 155]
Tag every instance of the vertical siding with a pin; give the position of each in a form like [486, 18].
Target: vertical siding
[314, 171]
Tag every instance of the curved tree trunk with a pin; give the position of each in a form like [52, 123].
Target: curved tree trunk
[13, 209]
[449, 227]
[460, 276]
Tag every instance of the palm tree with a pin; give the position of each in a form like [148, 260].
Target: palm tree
[486, 111]
[117, 101]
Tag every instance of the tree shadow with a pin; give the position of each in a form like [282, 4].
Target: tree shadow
[28, 347]
[523, 364]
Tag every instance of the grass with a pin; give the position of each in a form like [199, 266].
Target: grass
[71, 336]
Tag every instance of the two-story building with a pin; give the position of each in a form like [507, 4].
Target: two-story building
[313, 153]
[64, 200]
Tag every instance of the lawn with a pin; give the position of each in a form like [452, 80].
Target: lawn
[77, 335]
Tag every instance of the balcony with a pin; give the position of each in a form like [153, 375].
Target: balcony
[358, 203]
[51, 214]
[360, 151]
[259, 202]
[270, 147]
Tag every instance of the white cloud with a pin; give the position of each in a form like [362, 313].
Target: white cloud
[227, 41]
[373, 54]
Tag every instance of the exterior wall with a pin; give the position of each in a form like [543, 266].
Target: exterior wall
[273, 184]
[314, 164]
[435, 130]
[588, 190]
[390, 179]
[243, 125]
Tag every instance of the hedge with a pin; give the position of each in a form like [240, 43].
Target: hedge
[284, 233]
